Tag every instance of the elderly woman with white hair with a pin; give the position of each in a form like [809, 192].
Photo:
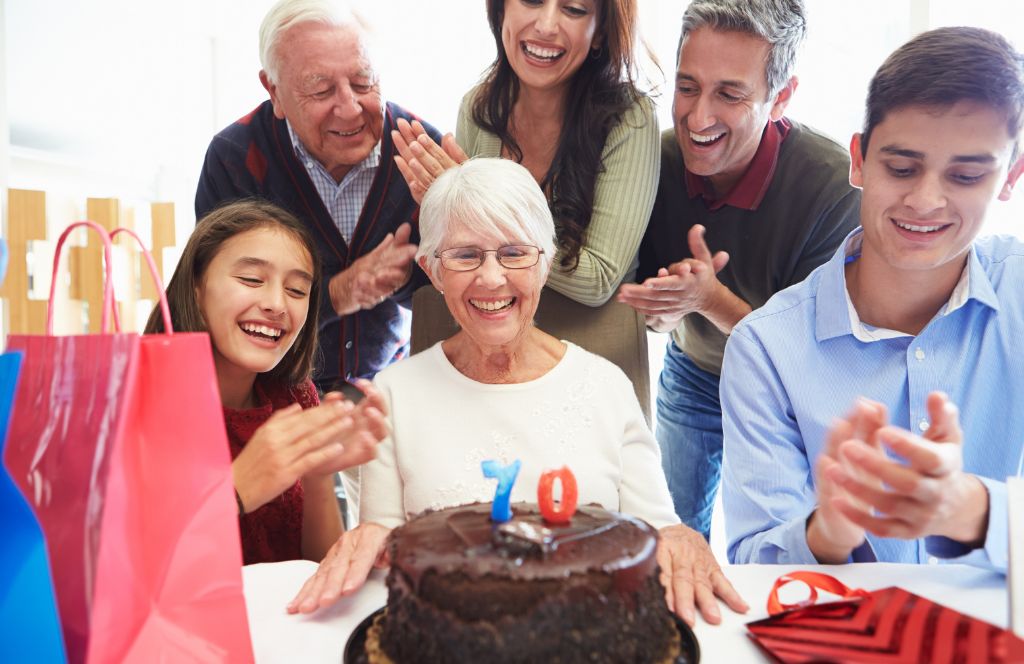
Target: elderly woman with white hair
[502, 389]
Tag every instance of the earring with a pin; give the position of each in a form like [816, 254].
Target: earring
[442, 292]
[595, 53]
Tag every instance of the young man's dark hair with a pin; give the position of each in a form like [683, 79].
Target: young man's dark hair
[941, 67]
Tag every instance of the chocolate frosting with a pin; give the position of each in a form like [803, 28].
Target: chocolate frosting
[465, 540]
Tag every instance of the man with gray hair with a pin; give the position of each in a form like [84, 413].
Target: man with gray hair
[321, 148]
[769, 195]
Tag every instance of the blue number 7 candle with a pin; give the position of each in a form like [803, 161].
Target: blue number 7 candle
[501, 511]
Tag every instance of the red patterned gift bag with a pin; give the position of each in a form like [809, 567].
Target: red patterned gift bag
[888, 626]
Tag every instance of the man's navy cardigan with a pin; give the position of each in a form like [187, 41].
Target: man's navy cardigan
[254, 158]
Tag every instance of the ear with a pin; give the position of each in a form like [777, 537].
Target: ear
[1011, 178]
[422, 260]
[271, 89]
[782, 99]
[856, 162]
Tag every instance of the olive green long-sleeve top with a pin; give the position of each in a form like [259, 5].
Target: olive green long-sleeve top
[623, 198]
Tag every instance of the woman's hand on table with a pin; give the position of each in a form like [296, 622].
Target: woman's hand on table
[420, 159]
[344, 569]
[294, 442]
[691, 576]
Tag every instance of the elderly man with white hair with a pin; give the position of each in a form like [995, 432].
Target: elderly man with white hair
[321, 148]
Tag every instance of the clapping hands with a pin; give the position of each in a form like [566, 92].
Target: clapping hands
[688, 286]
[921, 493]
[374, 276]
[420, 159]
[294, 443]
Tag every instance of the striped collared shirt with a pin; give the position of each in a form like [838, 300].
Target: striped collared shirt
[344, 200]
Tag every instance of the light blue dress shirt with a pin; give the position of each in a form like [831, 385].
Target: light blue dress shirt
[802, 359]
[344, 200]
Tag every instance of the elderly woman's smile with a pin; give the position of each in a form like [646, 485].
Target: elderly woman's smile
[493, 306]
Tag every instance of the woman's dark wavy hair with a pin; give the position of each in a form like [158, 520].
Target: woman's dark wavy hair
[599, 94]
[209, 235]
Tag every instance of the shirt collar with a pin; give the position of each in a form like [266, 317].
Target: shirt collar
[836, 315]
[372, 160]
[749, 191]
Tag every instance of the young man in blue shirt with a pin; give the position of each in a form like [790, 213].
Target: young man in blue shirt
[910, 317]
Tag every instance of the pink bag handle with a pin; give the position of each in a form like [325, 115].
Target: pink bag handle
[165, 309]
[108, 282]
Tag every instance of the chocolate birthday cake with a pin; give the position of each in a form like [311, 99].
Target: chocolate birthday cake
[464, 589]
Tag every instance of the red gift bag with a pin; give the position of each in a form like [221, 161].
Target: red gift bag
[889, 625]
[118, 443]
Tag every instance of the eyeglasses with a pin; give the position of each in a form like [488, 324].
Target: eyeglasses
[511, 256]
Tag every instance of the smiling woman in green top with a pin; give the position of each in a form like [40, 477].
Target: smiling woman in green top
[562, 99]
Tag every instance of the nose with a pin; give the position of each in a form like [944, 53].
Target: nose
[346, 105]
[701, 115]
[491, 273]
[272, 300]
[547, 18]
[926, 194]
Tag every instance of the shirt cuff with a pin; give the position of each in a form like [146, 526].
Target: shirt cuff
[804, 556]
[863, 553]
[792, 537]
[995, 552]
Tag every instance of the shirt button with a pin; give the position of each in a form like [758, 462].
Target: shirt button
[923, 425]
[919, 354]
[932, 560]
[348, 345]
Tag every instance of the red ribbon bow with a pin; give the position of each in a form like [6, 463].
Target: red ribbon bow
[814, 581]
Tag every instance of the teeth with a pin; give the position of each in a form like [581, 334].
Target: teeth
[492, 305]
[350, 133]
[262, 329]
[917, 229]
[697, 138]
[540, 52]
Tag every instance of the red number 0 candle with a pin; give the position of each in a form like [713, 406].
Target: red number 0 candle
[546, 499]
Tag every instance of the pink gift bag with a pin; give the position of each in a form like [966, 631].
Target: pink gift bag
[118, 443]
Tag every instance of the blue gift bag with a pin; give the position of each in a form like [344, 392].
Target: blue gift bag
[29, 627]
[3, 264]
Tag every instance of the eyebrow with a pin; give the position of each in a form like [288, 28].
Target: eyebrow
[314, 79]
[958, 159]
[727, 83]
[253, 261]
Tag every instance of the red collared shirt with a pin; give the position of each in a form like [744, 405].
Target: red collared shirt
[749, 191]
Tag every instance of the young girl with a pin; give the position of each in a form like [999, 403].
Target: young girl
[247, 277]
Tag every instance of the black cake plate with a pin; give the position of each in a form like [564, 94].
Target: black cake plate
[355, 648]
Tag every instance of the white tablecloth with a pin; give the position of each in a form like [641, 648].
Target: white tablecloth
[279, 637]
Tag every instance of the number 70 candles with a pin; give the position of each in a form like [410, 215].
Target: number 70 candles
[501, 509]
